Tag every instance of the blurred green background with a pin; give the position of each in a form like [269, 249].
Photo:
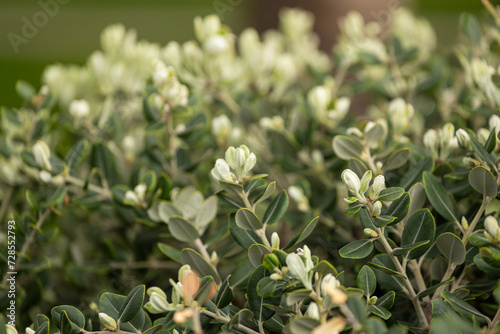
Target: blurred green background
[73, 33]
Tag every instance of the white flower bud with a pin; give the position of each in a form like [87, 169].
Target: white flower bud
[318, 99]
[372, 300]
[140, 190]
[447, 135]
[465, 223]
[221, 171]
[400, 114]
[298, 270]
[214, 257]
[365, 181]
[158, 303]
[156, 289]
[221, 128]
[79, 109]
[162, 73]
[206, 27]
[329, 281]
[29, 330]
[275, 240]
[10, 329]
[491, 226]
[249, 164]
[482, 135]
[107, 321]
[45, 176]
[377, 208]
[370, 233]
[216, 44]
[42, 155]
[354, 132]
[431, 140]
[463, 138]
[377, 187]
[351, 180]
[131, 198]
[313, 311]
[494, 123]
[276, 277]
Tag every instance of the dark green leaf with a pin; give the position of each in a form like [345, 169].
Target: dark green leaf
[182, 230]
[462, 306]
[248, 220]
[256, 252]
[367, 281]
[387, 300]
[267, 287]
[41, 324]
[451, 247]
[245, 238]
[170, 252]
[199, 264]
[302, 325]
[357, 307]
[75, 318]
[438, 197]
[433, 288]
[346, 148]
[399, 208]
[483, 181]
[296, 296]
[420, 227]
[225, 294]
[358, 249]
[255, 301]
[324, 267]
[104, 159]
[206, 286]
[231, 187]
[397, 159]
[406, 248]
[132, 304]
[379, 311]
[276, 209]
[480, 150]
[390, 194]
[353, 208]
[266, 194]
[383, 220]
[65, 325]
[303, 234]
[77, 153]
[229, 202]
[414, 174]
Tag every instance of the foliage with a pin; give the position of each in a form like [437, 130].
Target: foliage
[163, 177]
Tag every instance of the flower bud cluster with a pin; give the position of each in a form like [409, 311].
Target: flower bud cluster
[325, 108]
[137, 196]
[441, 142]
[492, 229]
[240, 160]
[359, 187]
[169, 88]
[300, 270]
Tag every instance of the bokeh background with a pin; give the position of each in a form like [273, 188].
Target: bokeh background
[73, 32]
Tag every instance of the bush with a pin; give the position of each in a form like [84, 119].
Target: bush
[171, 168]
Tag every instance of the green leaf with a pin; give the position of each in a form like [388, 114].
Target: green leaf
[438, 197]
[182, 230]
[462, 307]
[111, 304]
[267, 287]
[353, 208]
[491, 142]
[248, 220]
[276, 209]
[383, 220]
[245, 238]
[302, 325]
[229, 202]
[396, 160]
[255, 301]
[433, 288]
[481, 264]
[387, 300]
[367, 281]
[25, 90]
[269, 191]
[358, 249]
[483, 181]
[41, 324]
[65, 325]
[167, 210]
[471, 28]
[244, 317]
[366, 219]
[451, 247]
[399, 208]
[296, 296]
[390, 194]
[240, 275]
[29, 159]
[480, 150]
[346, 148]
[225, 294]
[406, 248]
[358, 167]
[256, 252]
[420, 227]
[206, 286]
[357, 307]
[207, 213]
[75, 318]
[231, 187]
[170, 252]
[324, 267]
[303, 234]
[104, 159]
[132, 304]
[150, 180]
[199, 264]
[414, 174]
[379, 311]
[77, 153]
